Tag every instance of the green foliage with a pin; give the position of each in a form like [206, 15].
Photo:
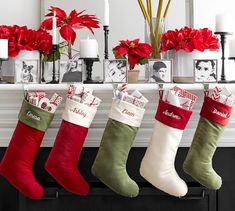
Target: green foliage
[60, 50]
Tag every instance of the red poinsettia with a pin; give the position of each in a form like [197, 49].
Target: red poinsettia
[135, 51]
[69, 23]
[22, 38]
[189, 39]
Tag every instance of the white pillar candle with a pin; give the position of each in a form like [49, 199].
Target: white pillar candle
[106, 12]
[232, 47]
[88, 48]
[54, 30]
[3, 49]
[223, 23]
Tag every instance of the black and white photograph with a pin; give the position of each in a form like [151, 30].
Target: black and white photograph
[115, 71]
[160, 71]
[71, 71]
[205, 70]
[26, 71]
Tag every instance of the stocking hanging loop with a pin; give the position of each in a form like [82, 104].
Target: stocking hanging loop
[206, 89]
[115, 88]
[160, 87]
[25, 89]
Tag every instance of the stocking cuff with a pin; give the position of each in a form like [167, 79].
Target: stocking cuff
[34, 116]
[216, 111]
[78, 113]
[172, 116]
[126, 113]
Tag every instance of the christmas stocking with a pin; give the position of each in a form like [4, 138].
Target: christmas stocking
[63, 159]
[157, 166]
[17, 162]
[110, 163]
[198, 163]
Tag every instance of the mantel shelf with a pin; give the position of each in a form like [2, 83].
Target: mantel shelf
[107, 87]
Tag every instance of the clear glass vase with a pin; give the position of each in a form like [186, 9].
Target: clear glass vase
[155, 41]
[47, 75]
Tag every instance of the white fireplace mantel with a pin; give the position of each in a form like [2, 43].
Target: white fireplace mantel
[11, 96]
[107, 87]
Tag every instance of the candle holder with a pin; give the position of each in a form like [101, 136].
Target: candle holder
[223, 37]
[89, 64]
[106, 42]
[54, 81]
[1, 80]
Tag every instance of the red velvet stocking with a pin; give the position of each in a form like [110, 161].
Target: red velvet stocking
[18, 160]
[17, 163]
[63, 159]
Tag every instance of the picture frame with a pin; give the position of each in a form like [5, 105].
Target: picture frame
[115, 71]
[71, 71]
[205, 70]
[26, 71]
[160, 71]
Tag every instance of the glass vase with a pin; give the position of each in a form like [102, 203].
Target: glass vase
[47, 75]
[158, 28]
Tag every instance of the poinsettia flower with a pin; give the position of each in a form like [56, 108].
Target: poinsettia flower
[134, 50]
[189, 39]
[69, 23]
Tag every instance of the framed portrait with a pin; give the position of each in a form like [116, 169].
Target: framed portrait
[205, 70]
[115, 71]
[159, 71]
[71, 71]
[26, 71]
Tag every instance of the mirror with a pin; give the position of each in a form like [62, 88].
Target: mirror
[126, 21]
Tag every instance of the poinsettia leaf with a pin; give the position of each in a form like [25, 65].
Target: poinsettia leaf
[125, 43]
[49, 57]
[68, 34]
[59, 12]
[136, 41]
[46, 24]
[142, 61]
[73, 14]
[120, 51]
[143, 50]
[118, 57]
[63, 47]
[78, 26]
[132, 59]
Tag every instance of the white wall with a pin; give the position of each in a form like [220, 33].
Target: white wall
[20, 12]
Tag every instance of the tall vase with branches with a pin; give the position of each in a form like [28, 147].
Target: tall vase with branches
[154, 28]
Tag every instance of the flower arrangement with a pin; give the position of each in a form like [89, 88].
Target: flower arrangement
[22, 38]
[69, 23]
[137, 53]
[155, 29]
[189, 39]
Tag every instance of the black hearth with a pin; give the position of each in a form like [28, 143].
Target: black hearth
[101, 198]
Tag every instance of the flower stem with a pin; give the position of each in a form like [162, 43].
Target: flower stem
[167, 8]
[70, 50]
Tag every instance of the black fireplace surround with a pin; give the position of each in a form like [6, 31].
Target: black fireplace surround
[101, 198]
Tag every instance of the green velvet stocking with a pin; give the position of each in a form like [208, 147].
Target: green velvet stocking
[198, 162]
[110, 162]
